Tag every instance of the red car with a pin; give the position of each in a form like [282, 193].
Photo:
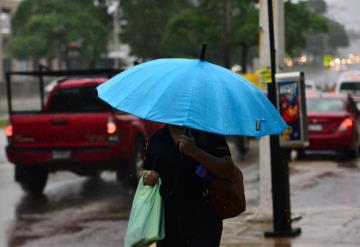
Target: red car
[333, 124]
[75, 132]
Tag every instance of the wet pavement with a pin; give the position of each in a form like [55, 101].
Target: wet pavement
[73, 212]
[325, 198]
[76, 211]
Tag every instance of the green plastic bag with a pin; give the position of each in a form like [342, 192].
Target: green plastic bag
[146, 223]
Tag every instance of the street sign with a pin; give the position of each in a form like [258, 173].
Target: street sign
[265, 75]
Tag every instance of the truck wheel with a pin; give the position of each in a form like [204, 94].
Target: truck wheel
[31, 179]
[134, 165]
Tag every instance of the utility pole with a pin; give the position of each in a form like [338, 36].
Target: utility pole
[1, 56]
[279, 163]
[225, 33]
[273, 167]
[264, 212]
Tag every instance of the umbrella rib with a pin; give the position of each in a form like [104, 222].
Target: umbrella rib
[162, 93]
[215, 79]
[195, 94]
[127, 73]
[192, 89]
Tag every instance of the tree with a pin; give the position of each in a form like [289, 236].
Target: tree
[325, 36]
[299, 21]
[318, 6]
[144, 23]
[45, 29]
[178, 28]
[337, 35]
[169, 28]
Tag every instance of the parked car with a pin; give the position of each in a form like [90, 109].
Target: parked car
[75, 132]
[333, 124]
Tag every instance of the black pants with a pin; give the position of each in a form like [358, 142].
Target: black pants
[191, 226]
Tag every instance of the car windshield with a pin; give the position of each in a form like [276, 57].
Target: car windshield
[325, 105]
[352, 87]
[77, 99]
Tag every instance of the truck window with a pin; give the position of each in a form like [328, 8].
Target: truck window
[77, 99]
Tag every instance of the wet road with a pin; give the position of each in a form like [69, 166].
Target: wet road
[82, 212]
[76, 211]
[72, 210]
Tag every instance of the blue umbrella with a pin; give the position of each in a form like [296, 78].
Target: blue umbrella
[193, 93]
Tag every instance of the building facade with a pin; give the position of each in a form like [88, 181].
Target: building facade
[7, 9]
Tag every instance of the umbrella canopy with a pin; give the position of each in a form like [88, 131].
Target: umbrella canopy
[193, 93]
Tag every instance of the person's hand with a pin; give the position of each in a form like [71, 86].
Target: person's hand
[150, 178]
[187, 145]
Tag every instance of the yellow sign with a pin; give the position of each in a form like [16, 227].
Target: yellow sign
[265, 75]
[254, 78]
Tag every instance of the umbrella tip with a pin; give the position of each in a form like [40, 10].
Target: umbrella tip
[203, 50]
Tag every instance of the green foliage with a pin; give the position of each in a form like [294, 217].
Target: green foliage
[178, 28]
[299, 19]
[44, 29]
[318, 6]
[337, 35]
[144, 24]
[307, 27]
[187, 30]
[170, 28]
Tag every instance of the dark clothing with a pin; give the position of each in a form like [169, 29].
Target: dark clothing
[190, 218]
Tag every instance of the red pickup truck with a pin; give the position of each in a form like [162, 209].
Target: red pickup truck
[75, 132]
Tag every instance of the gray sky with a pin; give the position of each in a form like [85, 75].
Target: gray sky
[346, 12]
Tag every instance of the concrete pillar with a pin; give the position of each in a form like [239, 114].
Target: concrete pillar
[8, 5]
[1, 58]
[264, 211]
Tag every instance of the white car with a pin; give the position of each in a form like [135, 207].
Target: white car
[349, 83]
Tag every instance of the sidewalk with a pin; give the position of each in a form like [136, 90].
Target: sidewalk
[326, 194]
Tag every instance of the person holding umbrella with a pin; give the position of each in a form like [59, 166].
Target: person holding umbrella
[174, 155]
[200, 103]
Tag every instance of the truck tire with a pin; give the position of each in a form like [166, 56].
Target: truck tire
[131, 176]
[32, 179]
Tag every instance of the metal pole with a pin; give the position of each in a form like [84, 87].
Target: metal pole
[41, 86]
[8, 90]
[225, 34]
[279, 163]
